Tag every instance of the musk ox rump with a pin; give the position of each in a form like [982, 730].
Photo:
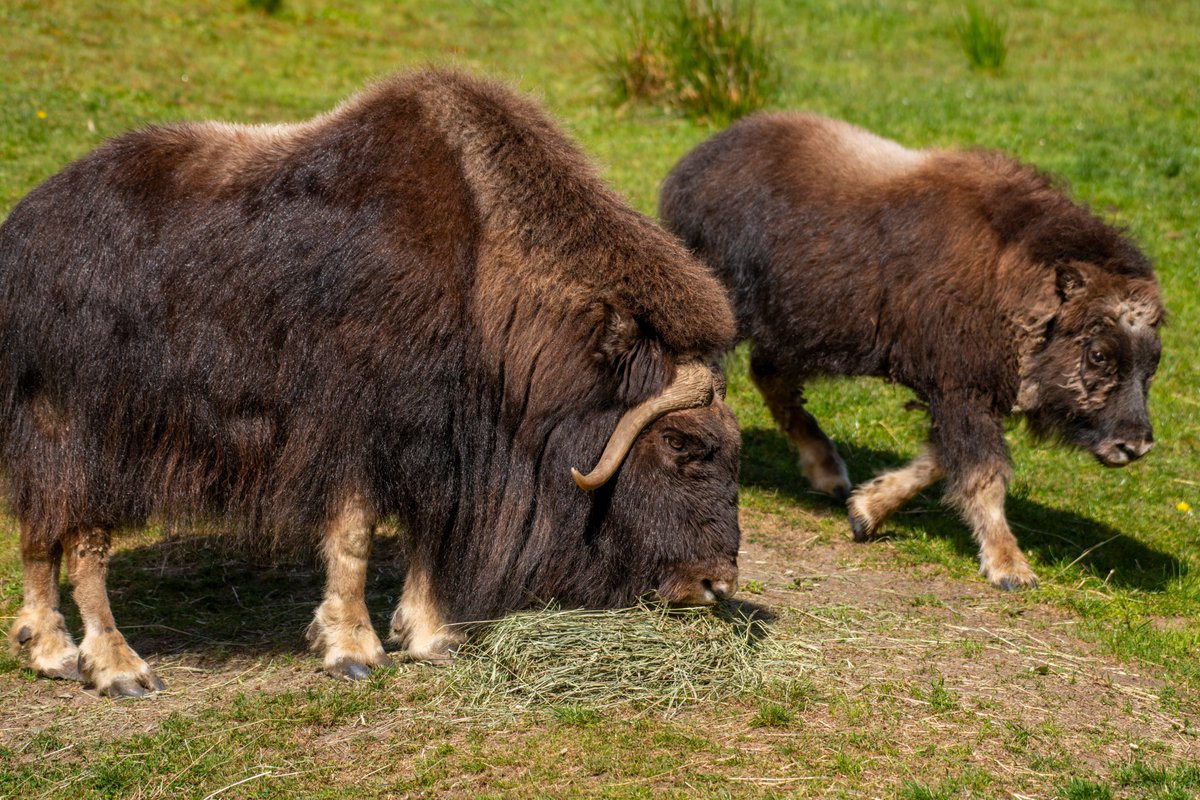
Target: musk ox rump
[967, 276]
[424, 305]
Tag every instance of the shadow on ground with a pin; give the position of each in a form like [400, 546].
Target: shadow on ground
[1054, 535]
[195, 594]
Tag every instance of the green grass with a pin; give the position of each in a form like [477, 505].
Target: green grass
[1105, 94]
[982, 38]
[708, 58]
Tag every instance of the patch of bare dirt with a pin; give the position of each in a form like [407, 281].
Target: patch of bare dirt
[953, 661]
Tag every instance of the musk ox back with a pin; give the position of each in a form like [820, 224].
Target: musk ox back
[423, 304]
[967, 276]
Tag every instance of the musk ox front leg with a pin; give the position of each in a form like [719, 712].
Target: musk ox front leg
[39, 626]
[819, 460]
[341, 629]
[979, 497]
[967, 445]
[418, 624]
[970, 440]
[106, 660]
[967, 448]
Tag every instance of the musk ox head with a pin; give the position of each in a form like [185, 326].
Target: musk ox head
[665, 488]
[1088, 384]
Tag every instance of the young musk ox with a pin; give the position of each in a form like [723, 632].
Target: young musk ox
[423, 304]
[966, 276]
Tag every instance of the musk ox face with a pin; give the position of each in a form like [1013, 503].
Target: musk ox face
[673, 508]
[1093, 375]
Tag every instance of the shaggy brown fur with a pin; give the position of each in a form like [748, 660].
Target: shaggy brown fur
[422, 304]
[966, 276]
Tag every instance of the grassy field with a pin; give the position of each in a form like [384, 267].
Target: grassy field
[884, 670]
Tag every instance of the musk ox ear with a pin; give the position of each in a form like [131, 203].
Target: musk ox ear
[637, 358]
[1069, 280]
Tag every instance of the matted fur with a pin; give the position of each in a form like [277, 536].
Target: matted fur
[424, 300]
[967, 276]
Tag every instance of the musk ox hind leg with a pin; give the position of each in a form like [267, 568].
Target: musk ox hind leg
[876, 500]
[418, 624]
[39, 627]
[819, 460]
[341, 628]
[106, 660]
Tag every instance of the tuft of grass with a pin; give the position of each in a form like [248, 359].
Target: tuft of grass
[982, 37]
[1079, 789]
[772, 715]
[641, 658]
[707, 58]
[577, 715]
[940, 698]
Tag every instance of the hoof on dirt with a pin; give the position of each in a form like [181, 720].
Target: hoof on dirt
[1010, 583]
[861, 529]
[67, 671]
[351, 670]
[133, 686]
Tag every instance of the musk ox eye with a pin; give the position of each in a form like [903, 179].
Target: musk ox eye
[1097, 357]
[673, 441]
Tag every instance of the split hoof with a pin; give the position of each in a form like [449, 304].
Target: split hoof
[131, 686]
[44, 636]
[111, 667]
[67, 671]
[862, 524]
[1013, 583]
[860, 527]
[349, 669]
[1014, 576]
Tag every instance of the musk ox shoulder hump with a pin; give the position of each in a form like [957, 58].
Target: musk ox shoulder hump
[527, 177]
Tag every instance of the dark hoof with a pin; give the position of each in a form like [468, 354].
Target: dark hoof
[1015, 584]
[24, 635]
[350, 670]
[135, 686]
[841, 494]
[860, 528]
[67, 672]
[126, 687]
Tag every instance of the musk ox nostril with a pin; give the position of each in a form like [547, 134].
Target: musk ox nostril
[1138, 449]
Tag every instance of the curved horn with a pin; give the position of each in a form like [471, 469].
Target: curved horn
[692, 387]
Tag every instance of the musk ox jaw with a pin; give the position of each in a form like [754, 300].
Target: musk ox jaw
[1119, 453]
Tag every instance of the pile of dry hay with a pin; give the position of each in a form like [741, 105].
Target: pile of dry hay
[644, 658]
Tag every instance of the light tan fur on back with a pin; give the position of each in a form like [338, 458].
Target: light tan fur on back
[857, 154]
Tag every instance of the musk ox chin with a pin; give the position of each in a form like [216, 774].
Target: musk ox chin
[422, 305]
[966, 276]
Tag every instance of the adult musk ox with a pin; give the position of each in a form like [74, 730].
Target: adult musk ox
[423, 304]
[966, 276]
